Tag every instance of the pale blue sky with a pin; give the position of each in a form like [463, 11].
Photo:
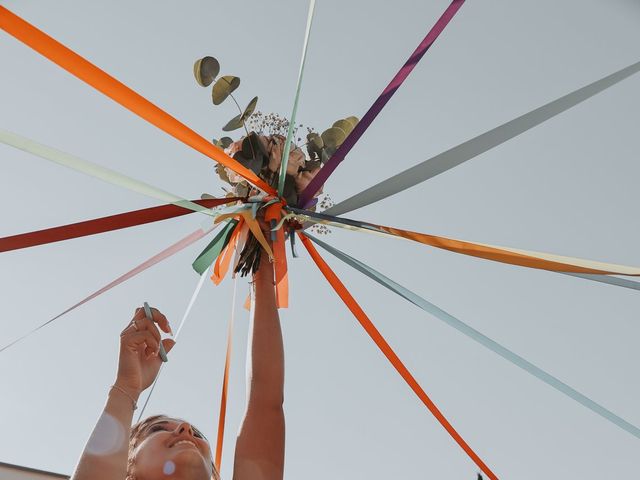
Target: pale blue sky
[568, 186]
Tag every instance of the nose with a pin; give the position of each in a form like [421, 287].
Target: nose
[184, 428]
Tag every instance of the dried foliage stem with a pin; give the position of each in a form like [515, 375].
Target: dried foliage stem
[253, 152]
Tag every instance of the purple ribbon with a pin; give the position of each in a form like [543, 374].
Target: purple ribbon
[307, 194]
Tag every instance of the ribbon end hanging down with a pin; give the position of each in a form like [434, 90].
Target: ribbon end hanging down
[211, 252]
[273, 213]
[281, 271]
[221, 267]
[225, 382]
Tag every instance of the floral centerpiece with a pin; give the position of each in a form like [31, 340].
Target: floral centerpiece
[261, 147]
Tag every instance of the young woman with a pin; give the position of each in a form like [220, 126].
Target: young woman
[163, 447]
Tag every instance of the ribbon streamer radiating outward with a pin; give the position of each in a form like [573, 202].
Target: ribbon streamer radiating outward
[225, 380]
[103, 224]
[195, 294]
[292, 120]
[307, 194]
[119, 92]
[84, 166]
[618, 282]
[215, 247]
[386, 349]
[166, 253]
[524, 258]
[478, 145]
[480, 338]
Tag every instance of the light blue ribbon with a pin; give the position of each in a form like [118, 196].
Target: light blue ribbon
[480, 338]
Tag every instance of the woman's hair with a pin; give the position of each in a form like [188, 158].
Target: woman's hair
[134, 439]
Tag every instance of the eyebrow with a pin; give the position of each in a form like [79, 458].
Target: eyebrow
[164, 422]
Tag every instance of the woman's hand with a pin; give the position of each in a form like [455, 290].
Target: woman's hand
[139, 362]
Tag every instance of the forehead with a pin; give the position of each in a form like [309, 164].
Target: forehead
[169, 422]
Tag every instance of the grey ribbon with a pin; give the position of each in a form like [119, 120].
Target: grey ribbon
[480, 144]
[620, 282]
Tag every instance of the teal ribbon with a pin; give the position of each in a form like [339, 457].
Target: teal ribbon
[211, 252]
[480, 338]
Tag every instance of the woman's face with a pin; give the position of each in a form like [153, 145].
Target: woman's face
[170, 448]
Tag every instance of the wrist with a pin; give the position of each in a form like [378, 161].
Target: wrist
[124, 395]
[132, 392]
[265, 270]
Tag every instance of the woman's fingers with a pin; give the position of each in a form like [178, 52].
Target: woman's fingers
[137, 340]
[157, 316]
[168, 343]
[146, 324]
[161, 320]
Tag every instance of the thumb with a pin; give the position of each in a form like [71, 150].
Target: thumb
[168, 344]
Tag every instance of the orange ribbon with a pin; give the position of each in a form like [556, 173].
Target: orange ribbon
[388, 352]
[221, 267]
[225, 385]
[119, 92]
[542, 261]
[274, 212]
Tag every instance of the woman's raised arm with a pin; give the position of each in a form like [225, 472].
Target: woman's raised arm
[259, 451]
[105, 455]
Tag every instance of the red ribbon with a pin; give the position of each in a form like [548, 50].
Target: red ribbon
[103, 224]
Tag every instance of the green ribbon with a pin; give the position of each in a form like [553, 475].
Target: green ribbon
[211, 252]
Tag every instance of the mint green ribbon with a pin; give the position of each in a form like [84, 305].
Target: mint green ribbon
[96, 171]
[211, 251]
[292, 121]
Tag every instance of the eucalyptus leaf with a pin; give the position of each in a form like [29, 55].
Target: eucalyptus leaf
[353, 120]
[254, 146]
[333, 137]
[315, 141]
[233, 124]
[206, 70]
[250, 108]
[223, 87]
[289, 190]
[345, 125]
[324, 156]
[253, 164]
[242, 189]
[249, 149]
[222, 173]
[225, 142]
[263, 144]
[206, 196]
